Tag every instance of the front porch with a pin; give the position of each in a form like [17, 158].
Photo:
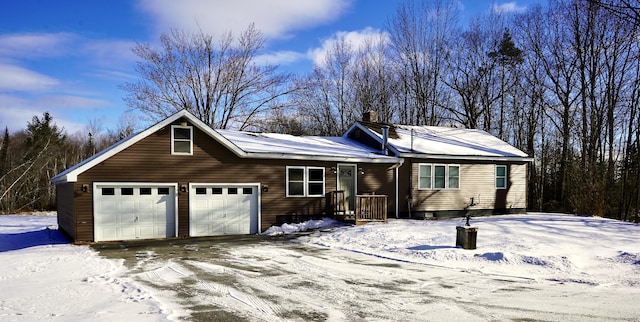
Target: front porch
[368, 208]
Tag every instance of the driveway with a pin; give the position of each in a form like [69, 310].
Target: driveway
[266, 278]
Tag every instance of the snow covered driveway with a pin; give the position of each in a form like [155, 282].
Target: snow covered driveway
[534, 267]
[546, 267]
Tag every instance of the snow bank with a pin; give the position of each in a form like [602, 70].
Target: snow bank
[554, 247]
[307, 225]
[45, 278]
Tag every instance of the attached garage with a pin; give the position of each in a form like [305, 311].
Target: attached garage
[223, 209]
[134, 211]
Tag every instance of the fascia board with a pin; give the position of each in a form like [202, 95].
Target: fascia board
[286, 156]
[373, 135]
[466, 157]
[71, 174]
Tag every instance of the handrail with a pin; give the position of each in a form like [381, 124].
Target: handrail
[370, 208]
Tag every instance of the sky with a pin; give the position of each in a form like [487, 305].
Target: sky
[69, 57]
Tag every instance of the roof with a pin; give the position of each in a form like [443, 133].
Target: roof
[443, 142]
[246, 145]
[271, 145]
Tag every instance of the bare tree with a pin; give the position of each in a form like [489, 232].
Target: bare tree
[421, 37]
[219, 82]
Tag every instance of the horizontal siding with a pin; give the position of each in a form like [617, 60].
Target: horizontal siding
[477, 181]
[64, 200]
[150, 160]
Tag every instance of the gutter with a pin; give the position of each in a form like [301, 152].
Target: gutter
[466, 157]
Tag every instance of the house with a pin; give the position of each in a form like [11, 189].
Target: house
[180, 178]
[449, 171]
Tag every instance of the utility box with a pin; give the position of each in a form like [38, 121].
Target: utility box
[466, 237]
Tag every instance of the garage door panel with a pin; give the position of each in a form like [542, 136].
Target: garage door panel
[134, 212]
[231, 209]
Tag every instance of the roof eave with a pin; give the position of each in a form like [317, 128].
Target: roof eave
[289, 156]
[466, 157]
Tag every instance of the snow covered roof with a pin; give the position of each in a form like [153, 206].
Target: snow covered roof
[269, 145]
[246, 145]
[443, 142]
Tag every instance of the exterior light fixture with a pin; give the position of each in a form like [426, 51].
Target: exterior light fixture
[361, 171]
[85, 187]
[183, 188]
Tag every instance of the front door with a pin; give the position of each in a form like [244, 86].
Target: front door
[347, 183]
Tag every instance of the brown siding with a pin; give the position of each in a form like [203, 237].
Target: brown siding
[64, 200]
[150, 160]
[379, 179]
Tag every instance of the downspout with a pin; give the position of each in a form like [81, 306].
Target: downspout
[396, 167]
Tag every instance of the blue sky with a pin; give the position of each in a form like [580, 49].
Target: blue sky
[68, 57]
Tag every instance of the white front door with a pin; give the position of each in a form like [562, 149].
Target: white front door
[347, 183]
[134, 211]
[223, 209]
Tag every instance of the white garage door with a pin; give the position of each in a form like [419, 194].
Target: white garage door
[125, 212]
[223, 210]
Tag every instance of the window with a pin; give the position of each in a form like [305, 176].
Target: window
[454, 177]
[126, 191]
[181, 140]
[108, 191]
[145, 191]
[501, 177]
[163, 191]
[424, 180]
[216, 191]
[305, 182]
[232, 191]
[438, 176]
[247, 191]
[201, 191]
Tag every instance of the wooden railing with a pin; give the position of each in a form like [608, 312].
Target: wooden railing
[370, 208]
[336, 203]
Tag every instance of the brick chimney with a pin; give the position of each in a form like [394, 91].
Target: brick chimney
[370, 116]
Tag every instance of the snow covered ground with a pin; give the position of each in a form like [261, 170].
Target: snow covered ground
[548, 267]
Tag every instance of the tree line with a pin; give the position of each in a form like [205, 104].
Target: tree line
[560, 81]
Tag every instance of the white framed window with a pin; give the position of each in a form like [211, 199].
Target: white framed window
[305, 181]
[181, 140]
[424, 173]
[501, 177]
[438, 176]
[453, 177]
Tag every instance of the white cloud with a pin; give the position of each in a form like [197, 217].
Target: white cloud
[275, 18]
[35, 44]
[507, 7]
[356, 39]
[16, 78]
[285, 57]
[16, 112]
[106, 52]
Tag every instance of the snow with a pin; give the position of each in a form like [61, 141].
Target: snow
[274, 143]
[305, 226]
[44, 278]
[533, 266]
[438, 140]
